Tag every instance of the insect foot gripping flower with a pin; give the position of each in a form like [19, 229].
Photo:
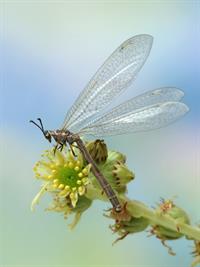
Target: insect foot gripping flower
[168, 208]
[65, 176]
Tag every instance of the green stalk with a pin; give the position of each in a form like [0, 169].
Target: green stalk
[138, 209]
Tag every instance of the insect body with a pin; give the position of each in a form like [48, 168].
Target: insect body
[63, 137]
[151, 110]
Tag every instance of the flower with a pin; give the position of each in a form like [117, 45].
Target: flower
[65, 175]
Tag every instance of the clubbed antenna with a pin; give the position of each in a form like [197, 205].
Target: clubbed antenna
[40, 126]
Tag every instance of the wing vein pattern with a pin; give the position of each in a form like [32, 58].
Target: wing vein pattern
[116, 74]
[148, 98]
[142, 119]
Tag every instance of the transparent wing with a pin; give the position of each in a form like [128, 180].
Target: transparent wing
[144, 119]
[110, 80]
[152, 97]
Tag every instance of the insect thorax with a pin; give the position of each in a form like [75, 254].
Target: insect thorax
[63, 136]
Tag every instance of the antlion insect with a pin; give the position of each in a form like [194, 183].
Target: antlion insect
[151, 110]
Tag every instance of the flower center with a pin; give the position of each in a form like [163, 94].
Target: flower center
[67, 176]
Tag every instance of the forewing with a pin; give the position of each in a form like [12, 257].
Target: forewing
[159, 95]
[144, 119]
[110, 80]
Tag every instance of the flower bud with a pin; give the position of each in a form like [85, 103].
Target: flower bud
[124, 228]
[116, 156]
[122, 176]
[179, 215]
[98, 151]
[125, 223]
[168, 207]
[116, 173]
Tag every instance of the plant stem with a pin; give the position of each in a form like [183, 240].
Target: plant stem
[138, 209]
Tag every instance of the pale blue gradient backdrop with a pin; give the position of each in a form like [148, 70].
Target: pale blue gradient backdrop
[50, 51]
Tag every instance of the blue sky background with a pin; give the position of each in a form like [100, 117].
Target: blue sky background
[50, 50]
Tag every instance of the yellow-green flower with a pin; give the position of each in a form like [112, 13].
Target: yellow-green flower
[65, 175]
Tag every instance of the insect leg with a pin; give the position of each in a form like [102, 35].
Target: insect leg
[60, 147]
[71, 147]
[55, 148]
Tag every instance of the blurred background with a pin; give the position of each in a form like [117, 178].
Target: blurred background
[50, 50]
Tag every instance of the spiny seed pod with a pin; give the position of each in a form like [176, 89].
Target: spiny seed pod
[168, 207]
[126, 224]
[135, 225]
[98, 151]
[164, 233]
[196, 254]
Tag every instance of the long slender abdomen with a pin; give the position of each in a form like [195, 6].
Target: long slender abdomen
[100, 177]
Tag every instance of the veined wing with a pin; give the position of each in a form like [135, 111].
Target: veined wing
[148, 98]
[144, 119]
[111, 79]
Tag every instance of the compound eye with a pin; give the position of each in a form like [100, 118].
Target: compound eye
[47, 136]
